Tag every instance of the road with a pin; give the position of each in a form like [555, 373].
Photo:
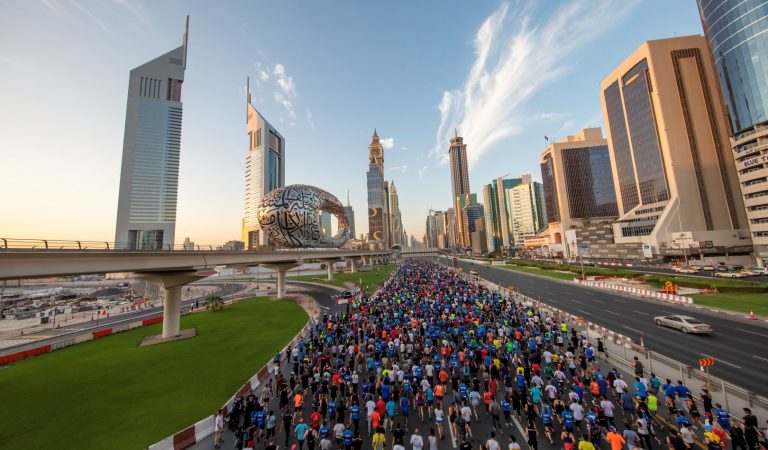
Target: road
[64, 333]
[661, 270]
[481, 428]
[738, 345]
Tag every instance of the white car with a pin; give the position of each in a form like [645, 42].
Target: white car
[731, 274]
[759, 270]
[682, 269]
[686, 324]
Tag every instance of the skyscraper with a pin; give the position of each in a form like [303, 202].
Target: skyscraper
[351, 217]
[576, 186]
[497, 219]
[396, 218]
[676, 182]
[149, 175]
[325, 223]
[741, 62]
[459, 183]
[264, 169]
[527, 212]
[378, 201]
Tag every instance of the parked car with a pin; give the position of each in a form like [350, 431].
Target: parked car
[686, 324]
[708, 268]
[759, 270]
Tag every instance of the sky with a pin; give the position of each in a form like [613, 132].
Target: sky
[326, 74]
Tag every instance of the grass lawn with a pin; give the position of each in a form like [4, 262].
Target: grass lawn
[110, 393]
[735, 302]
[546, 273]
[372, 278]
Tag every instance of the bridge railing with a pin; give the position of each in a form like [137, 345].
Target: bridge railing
[59, 244]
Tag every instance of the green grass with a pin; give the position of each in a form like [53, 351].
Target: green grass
[537, 271]
[735, 302]
[372, 278]
[110, 393]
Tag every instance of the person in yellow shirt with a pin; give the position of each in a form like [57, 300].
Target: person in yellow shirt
[379, 440]
[586, 445]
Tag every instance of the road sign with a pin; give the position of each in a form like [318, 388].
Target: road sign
[706, 362]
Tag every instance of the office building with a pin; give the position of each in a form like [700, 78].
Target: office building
[499, 236]
[527, 212]
[378, 199]
[677, 188]
[350, 217]
[324, 217]
[477, 237]
[264, 169]
[396, 220]
[459, 184]
[430, 231]
[450, 228]
[149, 173]
[741, 61]
[469, 215]
[577, 188]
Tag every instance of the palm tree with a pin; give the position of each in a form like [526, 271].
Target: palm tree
[213, 303]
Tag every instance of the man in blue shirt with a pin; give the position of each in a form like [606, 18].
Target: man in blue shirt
[355, 413]
[301, 432]
[722, 417]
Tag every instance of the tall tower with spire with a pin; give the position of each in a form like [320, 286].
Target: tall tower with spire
[351, 216]
[459, 182]
[264, 169]
[396, 220]
[378, 201]
[149, 174]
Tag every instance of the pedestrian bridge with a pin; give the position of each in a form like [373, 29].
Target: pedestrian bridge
[169, 269]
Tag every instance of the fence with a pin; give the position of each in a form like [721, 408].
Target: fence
[637, 291]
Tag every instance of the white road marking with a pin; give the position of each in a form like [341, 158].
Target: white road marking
[523, 432]
[640, 312]
[630, 328]
[582, 311]
[717, 360]
[597, 301]
[752, 332]
[612, 312]
[576, 301]
[760, 357]
[667, 312]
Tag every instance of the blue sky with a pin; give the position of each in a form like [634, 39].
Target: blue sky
[326, 73]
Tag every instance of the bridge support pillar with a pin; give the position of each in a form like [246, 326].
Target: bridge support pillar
[171, 283]
[281, 270]
[353, 265]
[329, 266]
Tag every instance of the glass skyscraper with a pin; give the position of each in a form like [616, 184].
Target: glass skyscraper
[264, 169]
[738, 37]
[378, 201]
[737, 32]
[149, 175]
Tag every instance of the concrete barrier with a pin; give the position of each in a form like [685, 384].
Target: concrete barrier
[679, 299]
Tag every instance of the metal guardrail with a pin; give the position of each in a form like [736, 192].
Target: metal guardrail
[59, 244]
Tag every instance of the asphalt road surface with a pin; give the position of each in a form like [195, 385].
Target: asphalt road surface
[481, 427]
[739, 346]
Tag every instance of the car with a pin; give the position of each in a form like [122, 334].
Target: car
[684, 269]
[686, 324]
[730, 274]
[473, 272]
[759, 270]
[708, 268]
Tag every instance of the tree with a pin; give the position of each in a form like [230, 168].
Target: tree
[214, 303]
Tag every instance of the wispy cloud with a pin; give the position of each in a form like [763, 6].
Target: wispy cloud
[402, 168]
[516, 55]
[387, 143]
[310, 120]
[263, 76]
[137, 10]
[93, 17]
[17, 64]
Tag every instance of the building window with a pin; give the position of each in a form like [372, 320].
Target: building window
[173, 93]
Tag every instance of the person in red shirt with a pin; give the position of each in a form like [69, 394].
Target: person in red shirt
[381, 407]
[314, 420]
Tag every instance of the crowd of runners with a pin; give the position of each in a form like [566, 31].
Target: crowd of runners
[434, 360]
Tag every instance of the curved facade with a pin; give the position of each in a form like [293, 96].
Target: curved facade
[738, 36]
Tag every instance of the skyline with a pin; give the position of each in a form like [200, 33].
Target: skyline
[81, 149]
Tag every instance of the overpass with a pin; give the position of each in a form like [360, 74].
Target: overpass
[169, 269]
[423, 252]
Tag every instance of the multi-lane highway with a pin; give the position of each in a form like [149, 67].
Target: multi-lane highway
[740, 346]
